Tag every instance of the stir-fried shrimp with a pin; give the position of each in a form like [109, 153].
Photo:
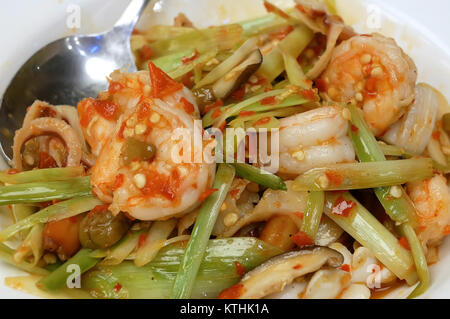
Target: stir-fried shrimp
[374, 72]
[313, 139]
[138, 169]
[98, 117]
[431, 198]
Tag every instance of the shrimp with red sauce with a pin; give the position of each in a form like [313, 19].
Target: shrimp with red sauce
[139, 168]
[373, 72]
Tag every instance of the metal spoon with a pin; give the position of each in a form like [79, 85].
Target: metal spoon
[66, 71]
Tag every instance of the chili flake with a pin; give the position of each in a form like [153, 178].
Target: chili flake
[194, 56]
[234, 292]
[216, 113]
[342, 207]
[188, 107]
[436, 135]
[246, 113]
[162, 84]
[142, 240]
[404, 243]
[117, 287]
[345, 267]
[308, 94]
[334, 177]
[268, 100]
[301, 239]
[240, 269]
[238, 95]
[209, 107]
[262, 121]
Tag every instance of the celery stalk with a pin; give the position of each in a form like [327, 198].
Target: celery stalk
[57, 211]
[6, 255]
[367, 149]
[419, 260]
[294, 43]
[120, 251]
[347, 176]
[294, 71]
[401, 210]
[188, 67]
[256, 106]
[171, 62]
[259, 176]
[44, 191]
[189, 267]
[370, 233]
[226, 66]
[267, 23]
[215, 38]
[313, 214]
[155, 280]
[58, 278]
[234, 110]
[42, 175]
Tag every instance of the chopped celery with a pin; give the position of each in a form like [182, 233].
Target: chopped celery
[370, 233]
[155, 280]
[163, 32]
[226, 66]
[237, 108]
[367, 149]
[194, 254]
[401, 210]
[56, 211]
[419, 260]
[313, 214]
[257, 107]
[259, 176]
[159, 232]
[347, 176]
[214, 38]
[21, 211]
[120, 251]
[185, 68]
[44, 191]
[42, 175]
[247, 121]
[58, 278]
[392, 150]
[171, 62]
[6, 255]
[294, 43]
[267, 23]
[294, 71]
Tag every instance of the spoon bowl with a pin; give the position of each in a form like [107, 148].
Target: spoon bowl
[66, 71]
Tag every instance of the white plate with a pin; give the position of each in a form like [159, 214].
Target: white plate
[27, 25]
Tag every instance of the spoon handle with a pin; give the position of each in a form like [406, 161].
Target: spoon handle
[131, 15]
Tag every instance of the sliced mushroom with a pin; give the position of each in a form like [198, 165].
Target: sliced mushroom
[273, 275]
[48, 126]
[238, 75]
[289, 202]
